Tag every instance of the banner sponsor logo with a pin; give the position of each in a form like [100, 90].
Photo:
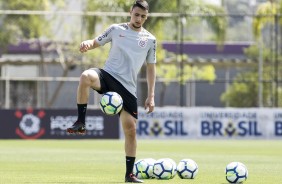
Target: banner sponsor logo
[156, 128]
[278, 124]
[278, 128]
[94, 125]
[225, 123]
[230, 124]
[29, 124]
[52, 124]
[161, 124]
[230, 129]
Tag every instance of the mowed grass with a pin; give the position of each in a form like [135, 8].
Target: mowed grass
[102, 161]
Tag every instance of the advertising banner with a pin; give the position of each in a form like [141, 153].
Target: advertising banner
[207, 123]
[52, 124]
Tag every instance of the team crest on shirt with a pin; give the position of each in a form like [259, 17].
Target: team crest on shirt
[142, 42]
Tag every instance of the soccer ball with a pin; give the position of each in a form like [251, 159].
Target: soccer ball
[236, 172]
[111, 103]
[187, 169]
[143, 168]
[174, 167]
[164, 169]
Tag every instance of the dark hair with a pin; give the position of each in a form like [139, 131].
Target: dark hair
[141, 4]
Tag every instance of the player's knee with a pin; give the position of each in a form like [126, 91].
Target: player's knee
[130, 131]
[84, 77]
[87, 77]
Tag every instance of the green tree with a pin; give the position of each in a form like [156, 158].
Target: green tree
[239, 93]
[244, 89]
[265, 16]
[24, 27]
[15, 28]
[248, 91]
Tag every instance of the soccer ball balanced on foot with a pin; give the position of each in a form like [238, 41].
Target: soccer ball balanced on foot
[111, 103]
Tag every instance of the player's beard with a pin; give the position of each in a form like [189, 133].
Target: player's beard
[136, 27]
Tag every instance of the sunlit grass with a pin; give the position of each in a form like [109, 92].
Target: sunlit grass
[102, 161]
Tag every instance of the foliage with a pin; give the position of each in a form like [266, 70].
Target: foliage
[217, 23]
[246, 84]
[244, 90]
[168, 71]
[15, 28]
[242, 93]
[205, 73]
[253, 53]
[172, 71]
[265, 15]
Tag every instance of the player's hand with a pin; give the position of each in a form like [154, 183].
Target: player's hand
[150, 104]
[86, 45]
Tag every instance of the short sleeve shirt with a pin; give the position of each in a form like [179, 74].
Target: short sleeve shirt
[129, 51]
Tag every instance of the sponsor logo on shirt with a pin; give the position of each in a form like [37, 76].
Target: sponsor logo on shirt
[106, 33]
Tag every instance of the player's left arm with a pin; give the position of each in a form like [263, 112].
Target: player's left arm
[151, 77]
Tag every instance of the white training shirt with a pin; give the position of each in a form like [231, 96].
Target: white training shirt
[129, 50]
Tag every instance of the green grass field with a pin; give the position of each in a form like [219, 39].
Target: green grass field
[102, 161]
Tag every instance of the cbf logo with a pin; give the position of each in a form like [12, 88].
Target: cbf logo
[231, 129]
[29, 124]
[157, 128]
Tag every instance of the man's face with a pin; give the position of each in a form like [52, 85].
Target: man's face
[138, 17]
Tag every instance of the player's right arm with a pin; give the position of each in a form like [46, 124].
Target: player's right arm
[88, 45]
[100, 40]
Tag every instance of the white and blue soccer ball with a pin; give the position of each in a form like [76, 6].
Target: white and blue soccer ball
[236, 172]
[174, 167]
[187, 169]
[164, 168]
[143, 168]
[111, 103]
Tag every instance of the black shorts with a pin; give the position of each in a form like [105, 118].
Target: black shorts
[109, 83]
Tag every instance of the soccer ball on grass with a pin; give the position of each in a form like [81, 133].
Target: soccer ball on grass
[111, 103]
[187, 169]
[174, 167]
[143, 168]
[164, 168]
[236, 172]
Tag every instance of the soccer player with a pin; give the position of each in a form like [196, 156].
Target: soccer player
[131, 47]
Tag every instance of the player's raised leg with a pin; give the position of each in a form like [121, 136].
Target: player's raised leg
[130, 145]
[88, 79]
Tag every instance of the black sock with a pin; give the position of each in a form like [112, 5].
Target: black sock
[81, 108]
[129, 165]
